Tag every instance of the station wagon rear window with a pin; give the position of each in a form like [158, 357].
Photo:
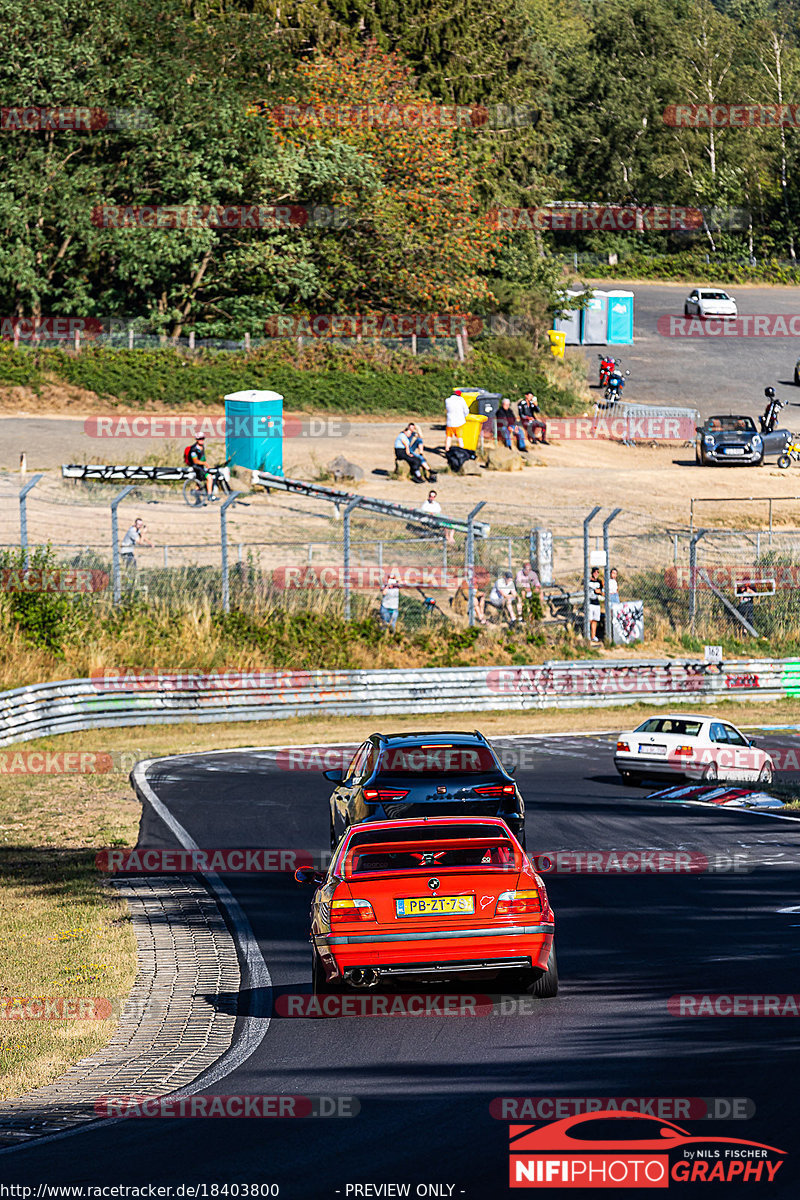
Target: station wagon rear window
[437, 758]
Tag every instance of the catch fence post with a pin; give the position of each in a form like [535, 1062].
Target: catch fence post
[471, 560]
[223, 534]
[354, 503]
[586, 570]
[117, 583]
[23, 518]
[607, 574]
[701, 533]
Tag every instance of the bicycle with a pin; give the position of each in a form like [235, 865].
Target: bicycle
[195, 493]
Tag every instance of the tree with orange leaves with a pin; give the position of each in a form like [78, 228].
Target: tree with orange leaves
[412, 236]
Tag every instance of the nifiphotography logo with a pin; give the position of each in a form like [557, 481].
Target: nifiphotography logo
[613, 1149]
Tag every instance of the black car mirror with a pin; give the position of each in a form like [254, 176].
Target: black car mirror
[335, 774]
[309, 876]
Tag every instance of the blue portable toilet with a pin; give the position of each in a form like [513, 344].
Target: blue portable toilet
[570, 323]
[595, 320]
[620, 318]
[254, 431]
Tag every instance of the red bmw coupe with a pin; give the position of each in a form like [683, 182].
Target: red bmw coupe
[430, 898]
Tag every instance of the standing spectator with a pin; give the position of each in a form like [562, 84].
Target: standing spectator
[457, 412]
[504, 597]
[745, 597]
[408, 448]
[390, 601]
[133, 538]
[613, 588]
[532, 418]
[595, 599]
[508, 426]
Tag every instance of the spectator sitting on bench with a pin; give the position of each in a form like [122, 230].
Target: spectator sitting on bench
[503, 596]
[409, 448]
[507, 424]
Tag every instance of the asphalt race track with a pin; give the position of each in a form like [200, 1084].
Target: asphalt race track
[625, 944]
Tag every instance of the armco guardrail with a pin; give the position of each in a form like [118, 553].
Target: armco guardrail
[105, 701]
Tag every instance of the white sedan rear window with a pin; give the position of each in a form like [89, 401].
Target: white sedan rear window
[670, 725]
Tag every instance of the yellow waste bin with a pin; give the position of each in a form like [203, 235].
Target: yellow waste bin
[471, 431]
[558, 342]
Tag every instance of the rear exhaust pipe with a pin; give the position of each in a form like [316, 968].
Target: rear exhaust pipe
[367, 978]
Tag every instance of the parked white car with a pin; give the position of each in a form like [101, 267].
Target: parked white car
[694, 747]
[709, 302]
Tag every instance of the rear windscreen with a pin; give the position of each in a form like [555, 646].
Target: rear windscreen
[670, 725]
[438, 758]
[430, 857]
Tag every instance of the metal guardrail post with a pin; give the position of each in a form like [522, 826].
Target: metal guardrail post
[607, 573]
[117, 585]
[354, 503]
[470, 564]
[701, 533]
[586, 571]
[223, 535]
[23, 517]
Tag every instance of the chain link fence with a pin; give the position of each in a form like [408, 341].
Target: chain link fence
[299, 554]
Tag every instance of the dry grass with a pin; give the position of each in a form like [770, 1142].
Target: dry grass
[63, 931]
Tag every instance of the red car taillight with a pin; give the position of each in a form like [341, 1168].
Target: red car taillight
[383, 794]
[685, 750]
[494, 789]
[624, 746]
[511, 903]
[351, 910]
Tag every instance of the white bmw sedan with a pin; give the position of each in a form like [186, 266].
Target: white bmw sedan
[709, 302]
[692, 747]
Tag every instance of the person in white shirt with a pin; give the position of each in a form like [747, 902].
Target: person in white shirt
[390, 601]
[457, 412]
[133, 538]
[613, 587]
[504, 596]
[431, 505]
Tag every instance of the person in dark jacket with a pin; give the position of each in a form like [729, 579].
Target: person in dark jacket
[508, 426]
[532, 418]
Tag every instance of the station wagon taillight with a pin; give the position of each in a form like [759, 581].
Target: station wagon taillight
[383, 794]
[511, 903]
[494, 789]
[351, 910]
